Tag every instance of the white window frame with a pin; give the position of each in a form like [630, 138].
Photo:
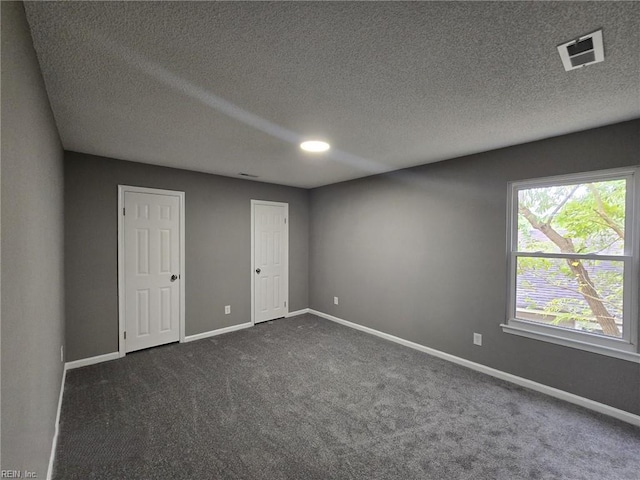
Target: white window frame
[626, 347]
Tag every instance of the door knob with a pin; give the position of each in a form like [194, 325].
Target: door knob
[258, 270]
[174, 278]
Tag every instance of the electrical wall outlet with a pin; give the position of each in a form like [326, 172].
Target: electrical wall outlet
[335, 300]
[227, 309]
[62, 353]
[477, 339]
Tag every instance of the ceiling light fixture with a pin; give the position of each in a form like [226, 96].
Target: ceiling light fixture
[315, 146]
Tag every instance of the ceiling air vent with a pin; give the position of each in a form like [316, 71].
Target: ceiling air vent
[586, 50]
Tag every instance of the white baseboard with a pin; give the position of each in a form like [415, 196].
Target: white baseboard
[523, 382]
[54, 442]
[83, 362]
[114, 356]
[219, 331]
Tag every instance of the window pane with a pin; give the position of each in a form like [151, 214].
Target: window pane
[583, 295]
[579, 218]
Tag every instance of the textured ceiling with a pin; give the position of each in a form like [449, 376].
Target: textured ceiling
[233, 87]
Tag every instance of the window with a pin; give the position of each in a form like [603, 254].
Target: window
[573, 261]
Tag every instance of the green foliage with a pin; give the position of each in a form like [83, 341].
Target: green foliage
[592, 217]
[571, 210]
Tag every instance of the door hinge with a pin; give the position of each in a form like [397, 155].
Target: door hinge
[123, 211]
[125, 335]
[285, 304]
[285, 219]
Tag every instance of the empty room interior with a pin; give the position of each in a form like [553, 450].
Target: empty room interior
[320, 240]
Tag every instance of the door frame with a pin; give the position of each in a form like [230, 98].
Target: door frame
[122, 189]
[253, 253]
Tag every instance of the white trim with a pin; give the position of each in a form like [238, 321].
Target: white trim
[83, 362]
[253, 262]
[576, 178]
[296, 313]
[286, 257]
[219, 331]
[580, 256]
[54, 442]
[633, 249]
[183, 246]
[269, 202]
[574, 337]
[114, 356]
[523, 382]
[567, 342]
[625, 348]
[121, 328]
[121, 315]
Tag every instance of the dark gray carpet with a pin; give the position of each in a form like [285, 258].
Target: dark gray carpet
[305, 398]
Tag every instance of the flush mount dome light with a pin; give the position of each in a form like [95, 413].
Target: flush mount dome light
[315, 146]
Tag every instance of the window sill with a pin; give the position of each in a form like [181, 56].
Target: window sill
[566, 342]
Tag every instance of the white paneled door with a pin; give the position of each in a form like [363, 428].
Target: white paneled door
[151, 269]
[270, 260]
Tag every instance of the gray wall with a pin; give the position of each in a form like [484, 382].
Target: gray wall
[32, 253]
[420, 254]
[218, 246]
